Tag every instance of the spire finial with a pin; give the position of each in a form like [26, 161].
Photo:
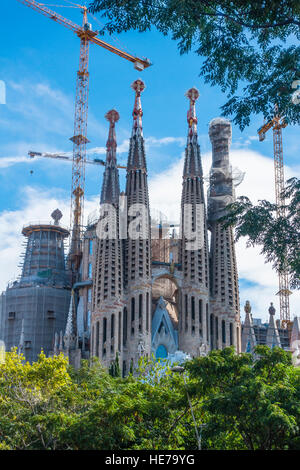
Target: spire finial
[56, 216]
[192, 94]
[138, 86]
[272, 309]
[247, 307]
[111, 145]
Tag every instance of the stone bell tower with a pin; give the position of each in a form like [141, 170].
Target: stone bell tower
[193, 322]
[225, 328]
[137, 245]
[108, 288]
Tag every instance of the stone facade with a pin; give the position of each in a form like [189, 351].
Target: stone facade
[156, 296]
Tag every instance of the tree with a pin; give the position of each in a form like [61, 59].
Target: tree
[114, 369]
[250, 400]
[33, 401]
[248, 47]
[278, 236]
[49, 405]
[244, 401]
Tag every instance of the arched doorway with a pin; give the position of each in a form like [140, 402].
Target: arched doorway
[161, 352]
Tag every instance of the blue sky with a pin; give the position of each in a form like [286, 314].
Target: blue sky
[38, 63]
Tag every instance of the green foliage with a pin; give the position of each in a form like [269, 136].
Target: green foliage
[114, 369]
[252, 401]
[244, 402]
[278, 236]
[32, 401]
[248, 47]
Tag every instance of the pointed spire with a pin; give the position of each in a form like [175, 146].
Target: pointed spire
[111, 145]
[110, 186]
[192, 94]
[248, 336]
[272, 310]
[136, 156]
[248, 317]
[272, 338]
[69, 336]
[192, 163]
[138, 86]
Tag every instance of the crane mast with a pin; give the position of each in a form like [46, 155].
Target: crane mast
[277, 124]
[281, 212]
[79, 139]
[278, 167]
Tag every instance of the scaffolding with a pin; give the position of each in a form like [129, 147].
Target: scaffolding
[34, 307]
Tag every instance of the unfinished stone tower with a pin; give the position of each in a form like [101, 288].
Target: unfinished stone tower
[224, 304]
[35, 307]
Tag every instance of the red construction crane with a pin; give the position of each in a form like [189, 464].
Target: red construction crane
[79, 139]
[277, 124]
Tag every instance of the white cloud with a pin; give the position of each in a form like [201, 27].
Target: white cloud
[5, 162]
[154, 142]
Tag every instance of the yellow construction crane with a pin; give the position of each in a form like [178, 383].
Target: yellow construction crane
[79, 139]
[277, 124]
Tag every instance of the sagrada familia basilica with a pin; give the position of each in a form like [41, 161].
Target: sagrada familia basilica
[151, 292]
[160, 295]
